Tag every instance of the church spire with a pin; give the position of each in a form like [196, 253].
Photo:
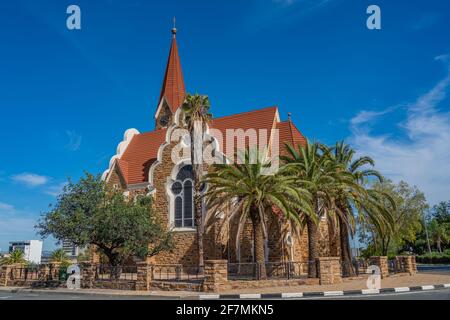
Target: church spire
[173, 85]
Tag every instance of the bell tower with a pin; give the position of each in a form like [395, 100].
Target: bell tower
[173, 90]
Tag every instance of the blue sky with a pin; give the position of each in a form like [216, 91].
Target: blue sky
[66, 97]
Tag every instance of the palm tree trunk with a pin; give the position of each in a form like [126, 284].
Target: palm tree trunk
[198, 217]
[347, 267]
[313, 247]
[199, 225]
[258, 247]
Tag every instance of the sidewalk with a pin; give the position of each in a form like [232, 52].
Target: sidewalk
[358, 284]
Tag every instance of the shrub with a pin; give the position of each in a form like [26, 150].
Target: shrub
[434, 258]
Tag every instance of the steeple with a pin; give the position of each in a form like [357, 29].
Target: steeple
[173, 85]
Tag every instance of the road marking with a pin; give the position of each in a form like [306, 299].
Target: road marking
[292, 295]
[250, 296]
[7, 297]
[370, 291]
[209, 296]
[401, 289]
[333, 293]
[427, 287]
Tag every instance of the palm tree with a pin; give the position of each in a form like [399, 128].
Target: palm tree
[60, 256]
[253, 196]
[344, 155]
[16, 257]
[196, 117]
[315, 169]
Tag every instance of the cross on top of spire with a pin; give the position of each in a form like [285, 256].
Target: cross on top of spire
[174, 29]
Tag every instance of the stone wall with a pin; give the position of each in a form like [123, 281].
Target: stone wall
[382, 263]
[216, 275]
[409, 263]
[329, 270]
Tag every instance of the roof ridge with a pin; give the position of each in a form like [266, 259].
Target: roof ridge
[245, 112]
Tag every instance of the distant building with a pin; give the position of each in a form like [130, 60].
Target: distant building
[32, 249]
[46, 257]
[71, 249]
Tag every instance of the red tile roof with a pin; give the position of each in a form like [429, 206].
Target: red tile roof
[173, 85]
[143, 148]
[288, 133]
[140, 154]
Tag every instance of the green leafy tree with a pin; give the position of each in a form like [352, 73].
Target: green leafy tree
[407, 213]
[90, 213]
[439, 233]
[197, 116]
[253, 195]
[441, 212]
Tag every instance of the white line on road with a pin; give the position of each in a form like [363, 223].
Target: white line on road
[370, 291]
[427, 287]
[292, 295]
[209, 296]
[250, 296]
[333, 293]
[401, 289]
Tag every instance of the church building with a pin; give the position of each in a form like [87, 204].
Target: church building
[143, 165]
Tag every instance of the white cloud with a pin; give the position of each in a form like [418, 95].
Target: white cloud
[5, 207]
[55, 190]
[365, 116]
[74, 140]
[422, 156]
[30, 179]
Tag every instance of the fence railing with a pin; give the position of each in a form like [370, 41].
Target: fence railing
[396, 266]
[268, 270]
[116, 273]
[36, 273]
[176, 272]
[354, 268]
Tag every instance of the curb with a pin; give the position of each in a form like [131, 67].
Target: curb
[96, 293]
[295, 295]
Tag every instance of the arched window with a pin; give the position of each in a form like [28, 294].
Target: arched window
[182, 190]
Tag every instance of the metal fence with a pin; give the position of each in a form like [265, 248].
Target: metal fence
[177, 272]
[396, 266]
[36, 273]
[268, 270]
[354, 268]
[116, 273]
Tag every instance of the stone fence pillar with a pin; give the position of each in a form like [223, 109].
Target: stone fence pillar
[329, 269]
[382, 263]
[5, 272]
[44, 273]
[216, 275]
[409, 263]
[87, 274]
[144, 276]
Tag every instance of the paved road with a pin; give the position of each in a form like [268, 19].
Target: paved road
[65, 296]
[443, 294]
[435, 269]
